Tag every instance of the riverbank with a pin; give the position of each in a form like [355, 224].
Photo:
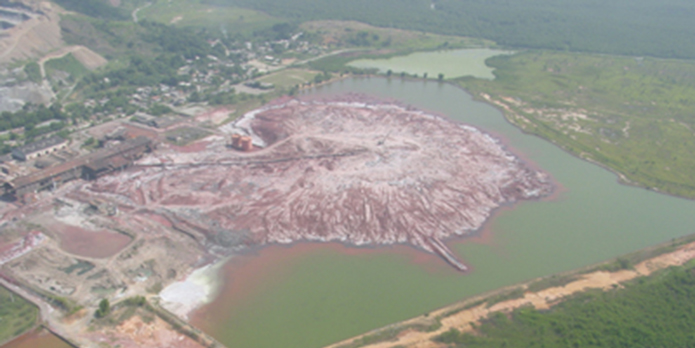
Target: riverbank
[466, 315]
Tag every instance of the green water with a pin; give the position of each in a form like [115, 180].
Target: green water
[452, 63]
[324, 296]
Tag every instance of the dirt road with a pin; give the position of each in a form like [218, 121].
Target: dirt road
[33, 37]
[90, 59]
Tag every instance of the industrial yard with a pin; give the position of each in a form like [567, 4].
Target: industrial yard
[143, 211]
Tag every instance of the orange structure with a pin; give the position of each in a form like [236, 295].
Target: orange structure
[235, 141]
[246, 143]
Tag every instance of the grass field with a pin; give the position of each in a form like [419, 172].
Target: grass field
[16, 315]
[633, 115]
[289, 77]
[67, 64]
[195, 13]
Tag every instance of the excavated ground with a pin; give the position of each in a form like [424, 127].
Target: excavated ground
[336, 170]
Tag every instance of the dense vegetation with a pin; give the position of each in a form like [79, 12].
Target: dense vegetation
[16, 315]
[631, 27]
[636, 116]
[657, 311]
[33, 72]
[30, 115]
[147, 53]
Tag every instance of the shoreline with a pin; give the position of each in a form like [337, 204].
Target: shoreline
[198, 288]
[621, 178]
[465, 314]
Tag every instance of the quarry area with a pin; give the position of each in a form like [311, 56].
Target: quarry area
[126, 221]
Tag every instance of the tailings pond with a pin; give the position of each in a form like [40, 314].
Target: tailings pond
[310, 295]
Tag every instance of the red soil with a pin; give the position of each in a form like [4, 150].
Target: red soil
[82, 242]
[194, 147]
[363, 174]
[37, 340]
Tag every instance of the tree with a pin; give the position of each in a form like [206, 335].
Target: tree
[440, 77]
[33, 72]
[104, 309]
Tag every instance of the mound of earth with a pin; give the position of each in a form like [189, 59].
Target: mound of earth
[341, 170]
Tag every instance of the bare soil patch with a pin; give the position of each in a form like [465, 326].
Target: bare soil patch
[96, 244]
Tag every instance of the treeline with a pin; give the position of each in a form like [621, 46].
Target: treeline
[30, 115]
[630, 27]
[28, 118]
[655, 311]
[140, 71]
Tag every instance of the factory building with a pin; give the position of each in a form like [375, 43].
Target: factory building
[89, 167]
[39, 148]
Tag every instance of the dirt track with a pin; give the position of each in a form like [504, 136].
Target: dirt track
[541, 300]
[90, 59]
[34, 37]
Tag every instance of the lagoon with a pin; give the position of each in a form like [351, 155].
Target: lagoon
[310, 295]
[451, 63]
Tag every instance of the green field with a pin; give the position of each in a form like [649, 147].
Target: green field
[289, 77]
[66, 64]
[197, 14]
[17, 315]
[633, 115]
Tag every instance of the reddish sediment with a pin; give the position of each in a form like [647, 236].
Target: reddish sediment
[96, 244]
[36, 339]
[337, 170]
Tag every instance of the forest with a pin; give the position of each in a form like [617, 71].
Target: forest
[626, 27]
[655, 311]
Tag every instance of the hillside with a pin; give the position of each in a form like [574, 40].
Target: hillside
[639, 27]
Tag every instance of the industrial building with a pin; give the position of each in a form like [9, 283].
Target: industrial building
[39, 148]
[89, 167]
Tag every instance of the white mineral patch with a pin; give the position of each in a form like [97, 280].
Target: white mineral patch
[199, 288]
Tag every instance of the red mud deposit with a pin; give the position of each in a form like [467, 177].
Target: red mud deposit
[362, 174]
[97, 244]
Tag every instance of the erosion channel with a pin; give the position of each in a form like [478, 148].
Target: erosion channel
[310, 295]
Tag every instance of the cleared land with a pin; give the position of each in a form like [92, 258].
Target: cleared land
[17, 315]
[633, 115]
[289, 77]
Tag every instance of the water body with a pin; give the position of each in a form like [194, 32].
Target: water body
[451, 63]
[311, 295]
[40, 339]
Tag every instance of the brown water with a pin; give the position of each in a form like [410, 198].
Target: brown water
[40, 339]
